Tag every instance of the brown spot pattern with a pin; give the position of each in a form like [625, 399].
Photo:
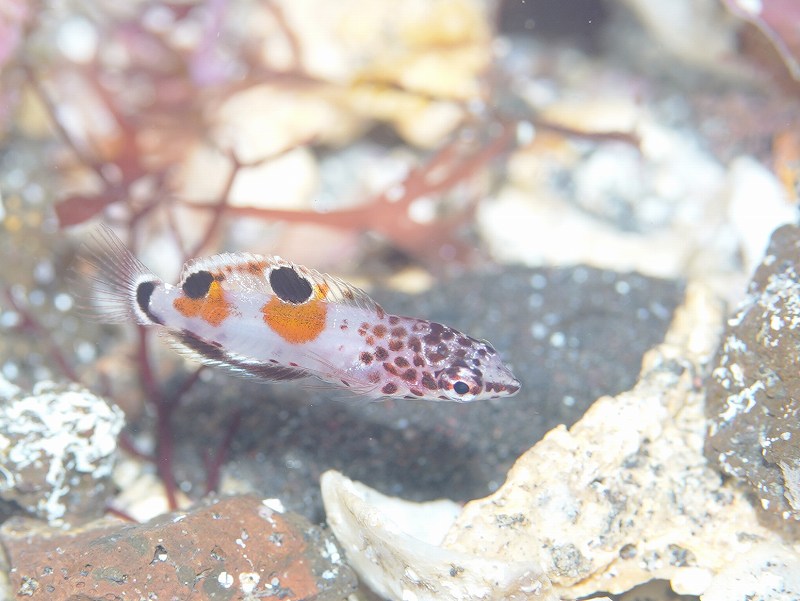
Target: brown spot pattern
[428, 381]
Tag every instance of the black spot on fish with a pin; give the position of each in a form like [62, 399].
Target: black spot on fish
[197, 284]
[289, 285]
[144, 291]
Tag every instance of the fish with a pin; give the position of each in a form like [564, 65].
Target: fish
[271, 319]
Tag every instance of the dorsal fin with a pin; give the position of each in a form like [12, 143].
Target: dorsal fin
[330, 288]
[338, 291]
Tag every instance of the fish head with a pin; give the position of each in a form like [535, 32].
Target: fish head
[481, 375]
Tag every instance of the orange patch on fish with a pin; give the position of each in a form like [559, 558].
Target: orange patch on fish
[212, 308]
[295, 323]
[321, 291]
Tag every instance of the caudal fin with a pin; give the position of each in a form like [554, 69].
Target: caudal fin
[119, 280]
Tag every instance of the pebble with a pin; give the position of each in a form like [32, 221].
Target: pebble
[58, 445]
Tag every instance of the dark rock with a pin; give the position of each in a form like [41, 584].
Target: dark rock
[753, 401]
[235, 548]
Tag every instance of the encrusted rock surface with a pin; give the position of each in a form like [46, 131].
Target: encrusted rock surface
[754, 392]
[235, 548]
[623, 497]
[57, 449]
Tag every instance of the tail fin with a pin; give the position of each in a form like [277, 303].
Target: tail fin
[121, 284]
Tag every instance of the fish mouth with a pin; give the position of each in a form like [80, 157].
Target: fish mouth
[505, 388]
[512, 387]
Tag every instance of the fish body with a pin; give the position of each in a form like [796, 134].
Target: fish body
[272, 319]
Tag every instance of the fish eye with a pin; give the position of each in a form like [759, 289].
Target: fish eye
[461, 387]
[197, 284]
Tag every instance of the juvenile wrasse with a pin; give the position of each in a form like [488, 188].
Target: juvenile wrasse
[271, 319]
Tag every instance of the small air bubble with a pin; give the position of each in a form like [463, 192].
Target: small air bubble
[158, 18]
[422, 210]
[10, 370]
[77, 39]
[558, 339]
[10, 319]
[395, 193]
[622, 287]
[539, 331]
[535, 301]
[85, 351]
[569, 401]
[63, 302]
[43, 272]
[580, 275]
[526, 132]
[36, 297]
[538, 281]
[660, 310]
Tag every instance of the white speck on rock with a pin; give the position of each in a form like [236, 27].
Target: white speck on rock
[225, 580]
[275, 505]
[248, 581]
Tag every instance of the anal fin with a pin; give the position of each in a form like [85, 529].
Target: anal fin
[209, 353]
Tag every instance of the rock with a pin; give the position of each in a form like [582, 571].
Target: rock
[416, 61]
[57, 449]
[398, 559]
[754, 391]
[623, 497]
[703, 25]
[235, 548]
[612, 205]
[766, 572]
